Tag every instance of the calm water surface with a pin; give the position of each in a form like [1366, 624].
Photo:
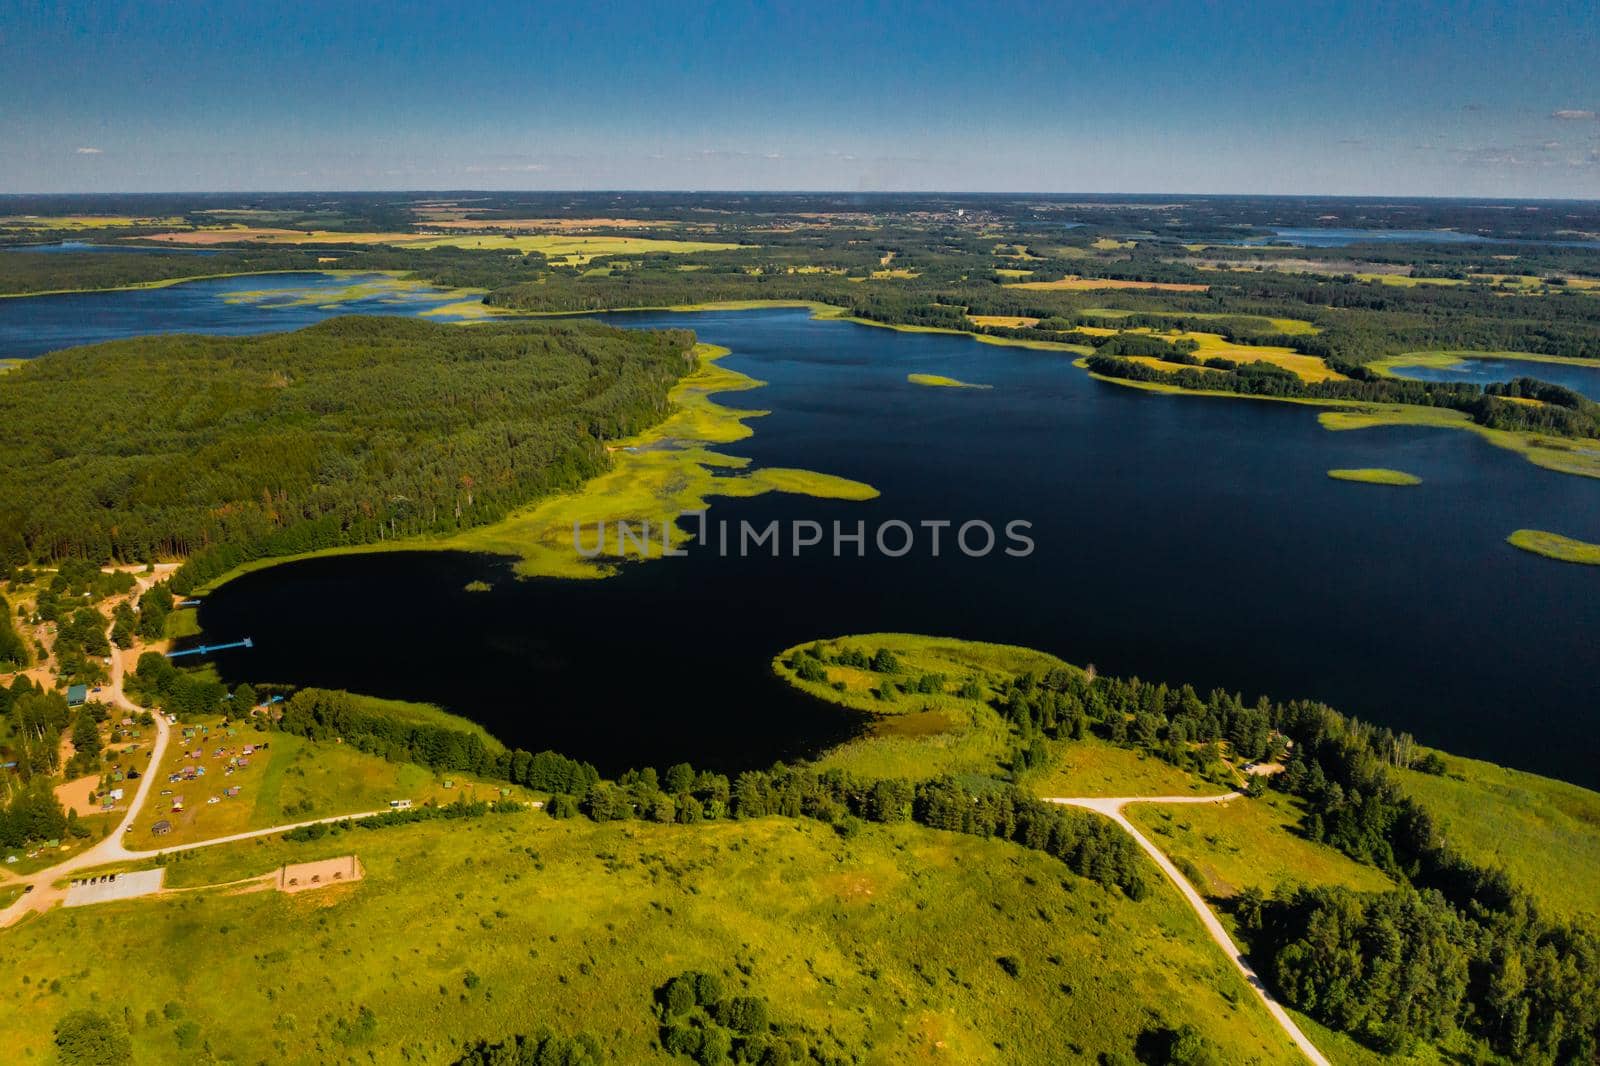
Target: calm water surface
[70, 247]
[1580, 379]
[1178, 538]
[1339, 237]
[256, 303]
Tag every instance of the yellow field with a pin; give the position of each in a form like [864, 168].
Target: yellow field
[1525, 282]
[1161, 364]
[574, 250]
[1108, 244]
[1081, 284]
[1287, 326]
[438, 220]
[1003, 321]
[1215, 346]
[82, 221]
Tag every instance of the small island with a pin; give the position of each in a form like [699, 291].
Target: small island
[1555, 546]
[1376, 475]
[941, 382]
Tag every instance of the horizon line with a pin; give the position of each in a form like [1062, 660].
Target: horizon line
[420, 190]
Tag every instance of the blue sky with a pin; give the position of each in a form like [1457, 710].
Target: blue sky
[1469, 99]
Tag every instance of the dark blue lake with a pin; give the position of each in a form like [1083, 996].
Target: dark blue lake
[254, 303]
[1177, 538]
[1580, 379]
[1339, 237]
[69, 247]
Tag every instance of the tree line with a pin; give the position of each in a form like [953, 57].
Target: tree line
[1565, 413]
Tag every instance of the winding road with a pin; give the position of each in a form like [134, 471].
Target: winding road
[1112, 809]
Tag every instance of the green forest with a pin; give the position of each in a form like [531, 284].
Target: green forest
[221, 449]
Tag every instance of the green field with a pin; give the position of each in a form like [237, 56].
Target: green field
[901, 944]
[1556, 546]
[1376, 475]
[1092, 767]
[291, 780]
[1286, 326]
[1544, 833]
[1250, 843]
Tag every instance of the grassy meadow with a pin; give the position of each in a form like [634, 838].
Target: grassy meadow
[1250, 843]
[292, 780]
[1544, 833]
[902, 944]
[1094, 767]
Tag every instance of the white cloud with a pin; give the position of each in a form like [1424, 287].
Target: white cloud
[89, 151]
[1568, 114]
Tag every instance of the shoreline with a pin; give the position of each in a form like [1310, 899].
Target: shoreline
[167, 283]
[645, 478]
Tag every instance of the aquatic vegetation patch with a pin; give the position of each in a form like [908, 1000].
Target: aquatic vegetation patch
[1375, 475]
[942, 382]
[1556, 546]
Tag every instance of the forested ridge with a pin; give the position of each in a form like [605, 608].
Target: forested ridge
[224, 449]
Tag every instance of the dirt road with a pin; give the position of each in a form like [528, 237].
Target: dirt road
[1112, 808]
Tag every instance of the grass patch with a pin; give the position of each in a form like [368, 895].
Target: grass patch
[1555, 546]
[1094, 767]
[1544, 833]
[182, 623]
[884, 945]
[1003, 321]
[1375, 475]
